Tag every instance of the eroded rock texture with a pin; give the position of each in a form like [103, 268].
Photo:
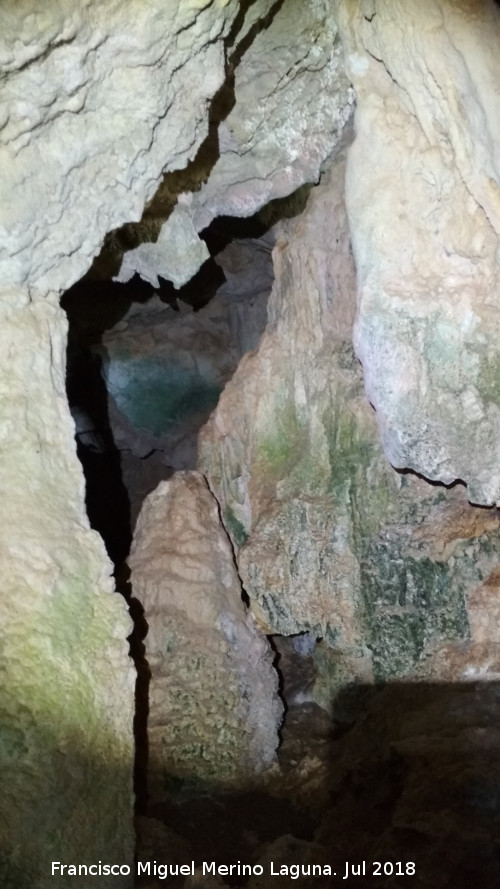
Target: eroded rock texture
[67, 685]
[425, 221]
[214, 710]
[96, 102]
[415, 780]
[272, 137]
[75, 171]
[330, 539]
[165, 367]
[396, 577]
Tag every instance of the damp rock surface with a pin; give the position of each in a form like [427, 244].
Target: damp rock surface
[164, 365]
[97, 101]
[67, 684]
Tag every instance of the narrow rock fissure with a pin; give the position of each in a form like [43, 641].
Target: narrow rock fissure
[138, 360]
[125, 445]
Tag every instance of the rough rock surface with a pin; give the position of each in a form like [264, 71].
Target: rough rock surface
[67, 684]
[415, 780]
[214, 709]
[165, 369]
[70, 173]
[425, 221]
[176, 255]
[274, 138]
[97, 101]
[330, 539]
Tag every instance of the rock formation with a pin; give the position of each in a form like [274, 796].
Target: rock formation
[93, 111]
[66, 694]
[165, 368]
[77, 172]
[329, 538]
[271, 138]
[425, 222]
[125, 129]
[214, 710]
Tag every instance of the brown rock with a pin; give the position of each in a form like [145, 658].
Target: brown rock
[214, 710]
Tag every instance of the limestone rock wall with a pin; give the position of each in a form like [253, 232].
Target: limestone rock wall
[97, 104]
[165, 368]
[273, 139]
[67, 685]
[329, 538]
[425, 221]
[214, 709]
[71, 173]
[97, 101]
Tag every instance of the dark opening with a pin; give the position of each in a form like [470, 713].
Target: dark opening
[172, 352]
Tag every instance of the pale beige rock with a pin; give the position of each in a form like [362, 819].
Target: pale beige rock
[267, 424]
[459, 662]
[176, 256]
[97, 102]
[214, 710]
[67, 687]
[275, 138]
[71, 173]
[424, 208]
[484, 609]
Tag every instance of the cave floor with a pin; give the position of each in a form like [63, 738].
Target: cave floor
[411, 774]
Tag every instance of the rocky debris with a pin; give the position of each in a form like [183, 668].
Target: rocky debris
[157, 842]
[214, 709]
[415, 780]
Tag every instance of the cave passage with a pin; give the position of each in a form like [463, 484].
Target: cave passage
[145, 368]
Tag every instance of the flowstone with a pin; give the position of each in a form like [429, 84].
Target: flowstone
[214, 709]
[329, 538]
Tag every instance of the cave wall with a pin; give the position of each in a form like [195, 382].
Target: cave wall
[95, 104]
[214, 708]
[102, 104]
[425, 222]
[66, 695]
[270, 138]
[380, 565]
